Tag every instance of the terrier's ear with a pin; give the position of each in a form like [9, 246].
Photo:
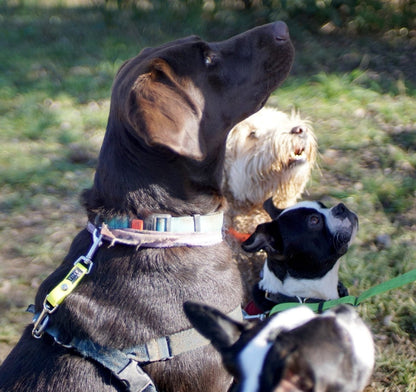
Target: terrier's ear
[220, 329]
[266, 237]
[271, 209]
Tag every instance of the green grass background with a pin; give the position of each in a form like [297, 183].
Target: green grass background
[354, 77]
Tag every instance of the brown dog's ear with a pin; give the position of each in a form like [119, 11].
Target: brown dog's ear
[165, 109]
[266, 237]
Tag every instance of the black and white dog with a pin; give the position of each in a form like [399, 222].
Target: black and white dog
[293, 351]
[303, 244]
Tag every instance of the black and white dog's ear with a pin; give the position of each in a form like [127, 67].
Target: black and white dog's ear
[220, 329]
[286, 369]
[271, 209]
[295, 378]
[266, 237]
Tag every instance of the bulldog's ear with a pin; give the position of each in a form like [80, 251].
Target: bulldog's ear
[220, 329]
[271, 209]
[166, 110]
[266, 237]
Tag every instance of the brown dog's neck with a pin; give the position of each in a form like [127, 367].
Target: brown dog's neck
[140, 181]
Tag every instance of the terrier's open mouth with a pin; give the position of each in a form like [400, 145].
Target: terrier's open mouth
[297, 156]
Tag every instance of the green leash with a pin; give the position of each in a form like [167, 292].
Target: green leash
[391, 284]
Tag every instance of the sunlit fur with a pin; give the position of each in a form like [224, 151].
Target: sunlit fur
[271, 153]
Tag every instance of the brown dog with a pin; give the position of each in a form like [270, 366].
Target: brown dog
[160, 166]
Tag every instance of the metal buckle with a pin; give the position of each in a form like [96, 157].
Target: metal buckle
[158, 222]
[135, 378]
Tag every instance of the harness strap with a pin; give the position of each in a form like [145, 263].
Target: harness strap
[126, 364]
[159, 349]
[126, 368]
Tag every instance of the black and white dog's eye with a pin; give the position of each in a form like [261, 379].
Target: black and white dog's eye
[314, 220]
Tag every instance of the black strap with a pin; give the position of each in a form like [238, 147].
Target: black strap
[126, 369]
[279, 298]
[125, 364]
[120, 363]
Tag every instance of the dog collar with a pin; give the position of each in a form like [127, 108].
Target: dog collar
[279, 298]
[240, 237]
[162, 230]
[167, 223]
[155, 239]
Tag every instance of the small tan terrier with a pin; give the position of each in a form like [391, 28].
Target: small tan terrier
[270, 154]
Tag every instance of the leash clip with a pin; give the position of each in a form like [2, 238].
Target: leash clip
[261, 316]
[96, 243]
[41, 321]
[82, 266]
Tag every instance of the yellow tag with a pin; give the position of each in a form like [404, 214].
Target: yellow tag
[65, 287]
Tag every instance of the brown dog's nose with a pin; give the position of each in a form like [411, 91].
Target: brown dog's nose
[281, 31]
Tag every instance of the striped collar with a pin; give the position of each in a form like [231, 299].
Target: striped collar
[162, 230]
[167, 223]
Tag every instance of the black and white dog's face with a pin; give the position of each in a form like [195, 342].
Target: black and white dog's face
[293, 351]
[303, 245]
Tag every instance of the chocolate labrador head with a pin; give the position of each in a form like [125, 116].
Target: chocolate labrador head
[175, 104]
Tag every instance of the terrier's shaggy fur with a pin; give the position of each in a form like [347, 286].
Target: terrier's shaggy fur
[270, 154]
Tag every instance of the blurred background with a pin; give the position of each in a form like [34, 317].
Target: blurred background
[354, 78]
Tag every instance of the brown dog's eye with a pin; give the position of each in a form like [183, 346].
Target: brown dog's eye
[210, 59]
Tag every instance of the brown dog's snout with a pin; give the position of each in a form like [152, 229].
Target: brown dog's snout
[281, 31]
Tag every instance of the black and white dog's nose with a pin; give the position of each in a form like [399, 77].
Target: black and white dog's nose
[339, 210]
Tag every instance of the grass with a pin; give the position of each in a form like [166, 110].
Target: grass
[56, 67]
